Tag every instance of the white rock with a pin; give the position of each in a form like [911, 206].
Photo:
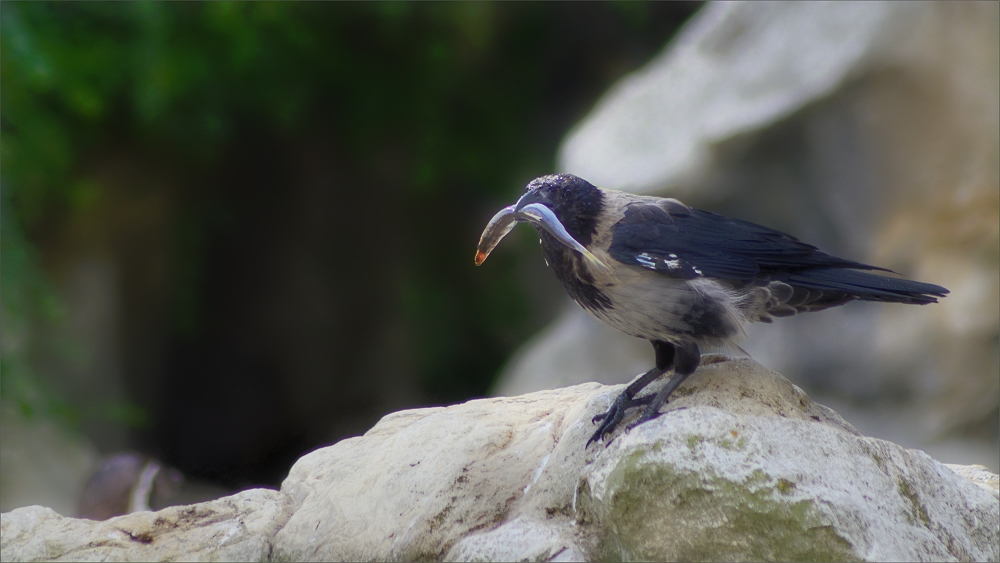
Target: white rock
[235, 528]
[978, 475]
[735, 67]
[573, 349]
[422, 480]
[741, 466]
[713, 487]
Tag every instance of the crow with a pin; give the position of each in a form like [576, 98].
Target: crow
[682, 278]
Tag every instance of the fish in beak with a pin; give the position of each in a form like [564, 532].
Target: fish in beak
[538, 215]
[498, 227]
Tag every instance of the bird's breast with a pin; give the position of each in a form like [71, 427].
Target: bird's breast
[648, 304]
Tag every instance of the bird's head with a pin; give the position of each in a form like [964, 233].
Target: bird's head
[562, 205]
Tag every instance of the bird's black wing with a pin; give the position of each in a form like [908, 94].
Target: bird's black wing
[689, 243]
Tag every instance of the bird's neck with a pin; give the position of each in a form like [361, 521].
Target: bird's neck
[572, 270]
[580, 215]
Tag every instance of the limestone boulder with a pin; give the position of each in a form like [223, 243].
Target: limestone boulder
[742, 465]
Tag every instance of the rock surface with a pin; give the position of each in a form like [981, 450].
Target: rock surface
[240, 527]
[742, 465]
[980, 476]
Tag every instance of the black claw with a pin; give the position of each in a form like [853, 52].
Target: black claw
[684, 359]
[611, 418]
[614, 415]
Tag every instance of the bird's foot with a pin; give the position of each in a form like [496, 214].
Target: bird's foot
[614, 415]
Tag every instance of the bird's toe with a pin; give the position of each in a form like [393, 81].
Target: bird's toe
[614, 415]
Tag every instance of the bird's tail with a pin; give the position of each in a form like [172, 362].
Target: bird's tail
[837, 285]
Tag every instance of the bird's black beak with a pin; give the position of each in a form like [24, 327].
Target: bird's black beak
[529, 208]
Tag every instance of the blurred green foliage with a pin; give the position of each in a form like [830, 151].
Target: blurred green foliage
[464, 90]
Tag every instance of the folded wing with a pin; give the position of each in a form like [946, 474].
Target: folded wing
[688, 243]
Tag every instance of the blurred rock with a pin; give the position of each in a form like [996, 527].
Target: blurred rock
[559, 356]
[45, 464]
[741, 466]
[869, 129]
[236, 528]
[127, 482]
[980, 476]
[41, 463]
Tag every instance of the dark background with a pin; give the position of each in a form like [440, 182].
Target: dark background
[286, 199]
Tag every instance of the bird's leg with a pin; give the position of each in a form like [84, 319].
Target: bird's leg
[686, 362]
[626, 399]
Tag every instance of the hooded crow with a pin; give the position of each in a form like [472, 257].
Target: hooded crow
[682, 278]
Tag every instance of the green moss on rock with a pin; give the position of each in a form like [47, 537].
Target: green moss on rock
[661, 512]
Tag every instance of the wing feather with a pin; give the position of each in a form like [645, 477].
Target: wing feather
[692, 243]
